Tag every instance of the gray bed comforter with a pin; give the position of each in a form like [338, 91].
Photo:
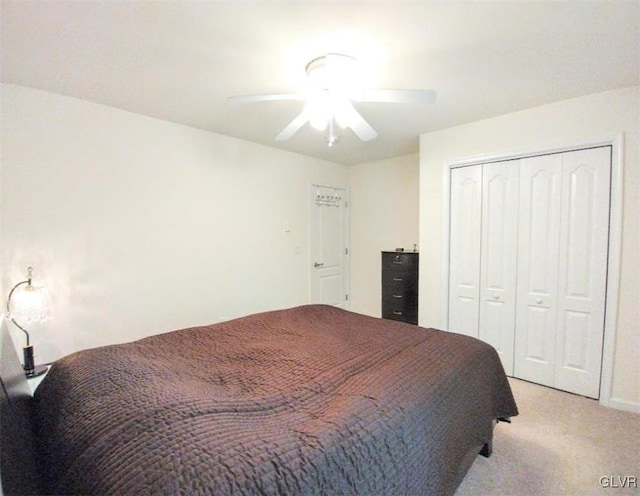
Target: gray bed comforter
[309, 400]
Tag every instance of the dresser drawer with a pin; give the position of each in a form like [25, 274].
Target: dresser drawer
[399, 301]
[397, 282]
[399, 262]
[402, 309]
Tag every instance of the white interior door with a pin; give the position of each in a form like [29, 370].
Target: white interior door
[328, 249]
[498, 259]
[464, 249]
[582, 269]
[537, 285]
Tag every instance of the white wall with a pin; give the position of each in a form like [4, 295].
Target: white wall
[384, 216]
[139, 226]
[570, 122]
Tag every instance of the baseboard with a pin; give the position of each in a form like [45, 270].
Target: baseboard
[627, 406]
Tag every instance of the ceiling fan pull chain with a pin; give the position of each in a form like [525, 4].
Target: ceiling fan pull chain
[332, 138]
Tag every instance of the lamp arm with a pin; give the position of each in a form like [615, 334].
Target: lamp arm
[28, 281]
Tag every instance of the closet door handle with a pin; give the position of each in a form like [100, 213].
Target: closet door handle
[397, 296]
[397, 279]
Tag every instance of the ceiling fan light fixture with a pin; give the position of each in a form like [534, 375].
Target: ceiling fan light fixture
[318, 111]
[325, 107]
[343, 113]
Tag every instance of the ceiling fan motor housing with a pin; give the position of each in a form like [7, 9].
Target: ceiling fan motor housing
[331, 85]
[335, 73]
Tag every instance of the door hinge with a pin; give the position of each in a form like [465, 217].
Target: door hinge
[346, 251]
[346, 297]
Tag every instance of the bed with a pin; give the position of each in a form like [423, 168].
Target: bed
[308, 400]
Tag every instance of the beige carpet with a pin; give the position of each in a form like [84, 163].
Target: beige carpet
[560, 444]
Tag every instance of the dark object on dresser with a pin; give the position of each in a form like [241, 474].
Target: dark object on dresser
[400, 286]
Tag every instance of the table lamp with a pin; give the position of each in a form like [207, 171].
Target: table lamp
[27, 304]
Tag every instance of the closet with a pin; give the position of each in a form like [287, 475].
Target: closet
[528, 263]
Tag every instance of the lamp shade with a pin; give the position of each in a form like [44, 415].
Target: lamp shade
[30, 304]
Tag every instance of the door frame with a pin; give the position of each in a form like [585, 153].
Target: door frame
[616, 142]
[346, 232]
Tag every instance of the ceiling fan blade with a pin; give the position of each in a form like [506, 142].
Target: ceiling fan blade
[293, 127]
[421, 97]
[358, 125]
[265, 98]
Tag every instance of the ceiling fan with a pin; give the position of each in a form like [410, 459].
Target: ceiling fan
[332, 85]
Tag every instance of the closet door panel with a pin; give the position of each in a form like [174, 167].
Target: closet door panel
[498, 258]
[464, 249]
[537, 280]
[537, 349]
[582, 269]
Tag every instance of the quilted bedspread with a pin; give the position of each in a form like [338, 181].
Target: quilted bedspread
[309, 400]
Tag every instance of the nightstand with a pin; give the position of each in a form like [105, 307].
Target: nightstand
[34, 382]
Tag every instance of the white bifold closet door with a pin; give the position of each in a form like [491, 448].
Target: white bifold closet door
[562, 269]
[528, 263]
[538, 261]
[464, 249]
[483, 248]
[498, 256]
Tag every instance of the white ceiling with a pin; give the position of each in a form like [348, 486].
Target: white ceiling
[180, 60]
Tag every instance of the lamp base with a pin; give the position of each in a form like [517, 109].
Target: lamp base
[36, 371]
[30, 370]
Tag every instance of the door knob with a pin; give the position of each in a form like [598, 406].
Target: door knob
[316, 264]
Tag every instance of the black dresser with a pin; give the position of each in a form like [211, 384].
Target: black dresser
[400, 286]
